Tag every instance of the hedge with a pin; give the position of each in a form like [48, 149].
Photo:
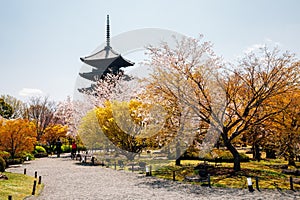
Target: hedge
[2, 164]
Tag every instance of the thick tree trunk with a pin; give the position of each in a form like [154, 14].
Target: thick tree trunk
[256, 152]
[270, 153]
[129, 155]
[233, 151]
[291, 159]
[178, 154]
[236, 156]
[177, 162]
[292, 162]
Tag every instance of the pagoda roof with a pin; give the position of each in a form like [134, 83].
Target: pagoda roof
[105, 58]
[88, 90]
[91, 89]
[91, 76]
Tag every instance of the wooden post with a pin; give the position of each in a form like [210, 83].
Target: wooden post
[25, 171]
[132, 167]
[256, 183]
[35, 174]
[291, 183]
[34, 186]
[115, 165]
[9, 197]
[208, 180]
[40, 180]
[150, 170]
[174, 176]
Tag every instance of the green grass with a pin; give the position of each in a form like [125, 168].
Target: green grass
[17, 185]
[269, 175]
[268, 172]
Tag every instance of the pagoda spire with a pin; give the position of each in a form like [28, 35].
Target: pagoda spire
[107, 33]
[105, 61]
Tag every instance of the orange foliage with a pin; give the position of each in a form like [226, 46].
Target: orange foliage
[17, 136]
[53, 132]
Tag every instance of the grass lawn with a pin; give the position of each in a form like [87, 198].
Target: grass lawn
[17, 185]
[267, 171]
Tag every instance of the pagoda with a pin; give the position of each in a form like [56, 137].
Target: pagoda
[103, 62]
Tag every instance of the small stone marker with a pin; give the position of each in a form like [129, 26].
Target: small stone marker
[250, 186]
[148, 171]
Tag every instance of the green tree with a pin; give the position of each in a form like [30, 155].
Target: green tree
[17, 106]
[6, 110]
[91, 134]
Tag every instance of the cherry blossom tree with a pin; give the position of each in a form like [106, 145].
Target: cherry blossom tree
[227, 98]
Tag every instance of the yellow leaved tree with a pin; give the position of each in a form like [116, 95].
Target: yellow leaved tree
[52, 133]
[17, 136]
[130, 126]
[91, 134]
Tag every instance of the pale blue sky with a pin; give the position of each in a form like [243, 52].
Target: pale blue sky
[41, 40]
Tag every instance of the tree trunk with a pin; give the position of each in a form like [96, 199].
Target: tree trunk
[256, 152]
[236, 156]
[291, 158]
[291, 161]
[177, 162]
[178, 154]
[270, 153]
[129, 155]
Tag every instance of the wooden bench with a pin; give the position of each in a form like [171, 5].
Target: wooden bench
[84, 158]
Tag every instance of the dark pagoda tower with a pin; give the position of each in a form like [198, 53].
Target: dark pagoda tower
[103, 62]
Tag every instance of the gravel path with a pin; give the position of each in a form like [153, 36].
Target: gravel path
[64, 179]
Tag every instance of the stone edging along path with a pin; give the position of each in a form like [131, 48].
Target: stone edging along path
[64, 179]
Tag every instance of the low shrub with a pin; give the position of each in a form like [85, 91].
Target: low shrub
[4, 154]
[25, 156]
[2, 164]
[223, 156]
[15, 161]
[40, 155]
[40, 152]
[40, 149]
[81, 148]
[28, 156]
[66, 148]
